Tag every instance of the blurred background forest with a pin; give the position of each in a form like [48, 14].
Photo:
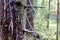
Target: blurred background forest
[45, 20]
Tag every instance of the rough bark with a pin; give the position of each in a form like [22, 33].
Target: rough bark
[5, 22]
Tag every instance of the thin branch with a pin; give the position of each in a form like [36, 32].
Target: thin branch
[57, 19]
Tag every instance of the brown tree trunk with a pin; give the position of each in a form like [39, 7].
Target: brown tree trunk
[5, 22]
[19, 21]
[29, 22]
[30, 16]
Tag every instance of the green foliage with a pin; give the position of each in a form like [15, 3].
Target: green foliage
[40, 20]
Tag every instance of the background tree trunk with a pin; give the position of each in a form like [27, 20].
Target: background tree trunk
[29, 22]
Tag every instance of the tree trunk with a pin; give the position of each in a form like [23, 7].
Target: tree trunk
[30, 16]
[29, 22]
